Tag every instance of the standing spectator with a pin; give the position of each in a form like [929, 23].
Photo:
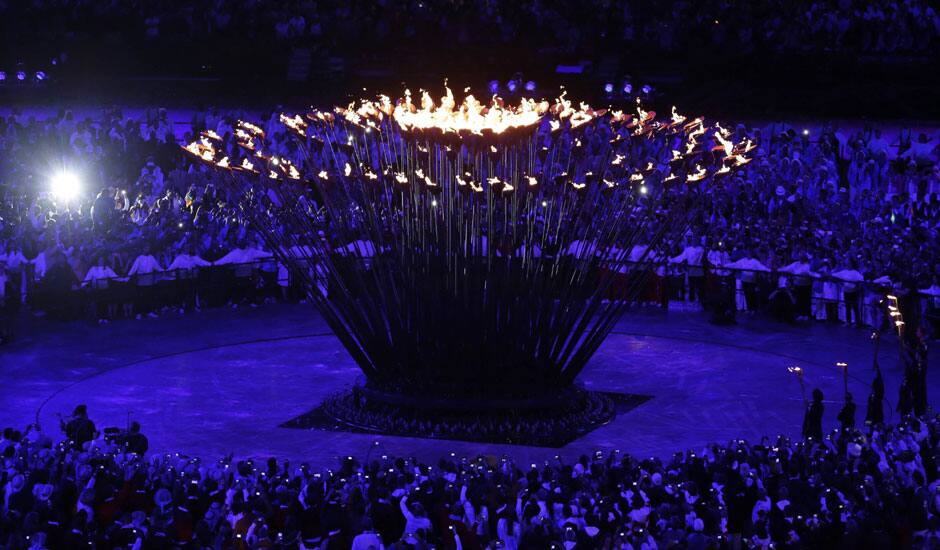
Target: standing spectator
[875, 413]
[146, 271]
[79, 429]
[847, 414]
[98, 279]
[812, 422]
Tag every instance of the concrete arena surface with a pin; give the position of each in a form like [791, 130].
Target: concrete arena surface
[222, 381]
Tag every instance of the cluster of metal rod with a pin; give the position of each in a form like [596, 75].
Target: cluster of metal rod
[473, 250]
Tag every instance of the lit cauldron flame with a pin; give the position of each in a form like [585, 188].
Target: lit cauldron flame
[500, 234]
[481, 127]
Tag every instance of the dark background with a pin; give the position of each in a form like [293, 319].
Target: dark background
[103, 54]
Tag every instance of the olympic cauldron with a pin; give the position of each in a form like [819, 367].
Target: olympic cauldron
[471, 254]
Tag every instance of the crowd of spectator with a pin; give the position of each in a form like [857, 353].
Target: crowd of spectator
[143, 213]
[858, 26]
[876, 487]
[845, 217]
[826, 221]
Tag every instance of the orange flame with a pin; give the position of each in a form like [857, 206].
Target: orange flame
[469, 117]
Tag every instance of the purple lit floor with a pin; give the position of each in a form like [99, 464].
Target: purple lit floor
[222, 381]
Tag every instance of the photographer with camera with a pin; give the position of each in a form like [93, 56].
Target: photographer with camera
[133, 441]
[78, 428]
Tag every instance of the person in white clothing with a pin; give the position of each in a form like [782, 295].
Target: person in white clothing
[184, 269]
[39, 265]
[145, 264]
[921, 152]
[368, 539]
[826, 295]
[720, 291]
[98, 276]
[851, 292]
[509, 531]
[245, 261]
[146, 270]
[13, 294]
[747, 271]
[691, 256]
[802, 283]
[98, 279]
[415, 518]
[185, 266]
[152, 176]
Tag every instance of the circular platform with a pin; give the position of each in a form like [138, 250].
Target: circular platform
[225, 381]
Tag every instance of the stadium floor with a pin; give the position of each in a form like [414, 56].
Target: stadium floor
[224, 380]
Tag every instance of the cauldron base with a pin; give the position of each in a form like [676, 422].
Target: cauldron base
[550, 421]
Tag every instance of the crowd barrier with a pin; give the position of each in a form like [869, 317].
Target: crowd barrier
[787, 295]
[670, 286]
[187, 288]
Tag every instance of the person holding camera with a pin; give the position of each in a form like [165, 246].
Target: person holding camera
[79, 429]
